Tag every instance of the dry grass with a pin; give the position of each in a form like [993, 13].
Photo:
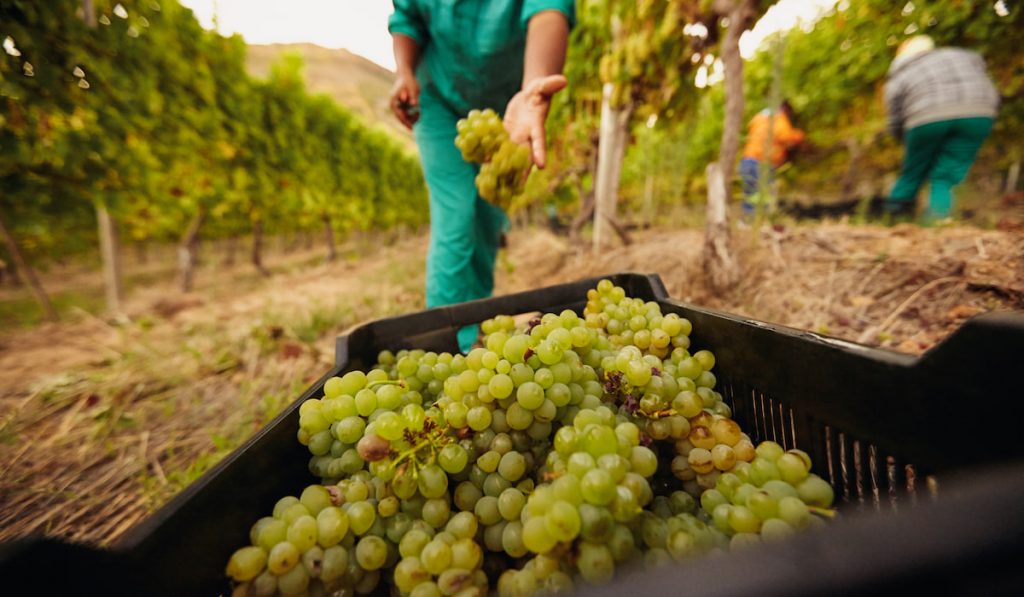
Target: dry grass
[904, 287]
[127, 414]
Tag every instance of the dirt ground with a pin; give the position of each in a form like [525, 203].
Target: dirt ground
[102, 420]
[904, 288]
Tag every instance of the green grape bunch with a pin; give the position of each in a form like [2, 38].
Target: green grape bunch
[482, 139]
[480, 135]
[559, 453]
[503, 178]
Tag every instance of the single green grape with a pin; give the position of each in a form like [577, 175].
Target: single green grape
[478, 418]
[595, 563]
[562, 522]
[271, 534]
[793, 511]
[815, 491]
[512, 466]
[769, 450]
[294, 581]
[436, 512]
[246, 563]
[743, 520]
[371, 552]
[512, 539]
[332, 525]
[530, 395]
[409, 573]
[453, 458]
[436, 556]
[361, 516]
[487, 510]
[433, 481]
[536, 536]
[510, 503]
[282, 558]
[597, 487]
[302, 533]
[463, 525]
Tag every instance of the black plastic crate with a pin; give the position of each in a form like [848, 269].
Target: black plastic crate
[969, 541]
[882, 427]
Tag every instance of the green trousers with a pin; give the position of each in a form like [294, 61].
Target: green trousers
[465, 230]
[942, 152]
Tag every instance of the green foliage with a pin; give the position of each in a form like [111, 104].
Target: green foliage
[834, 75]
[156, 118]
[638, 48]
[658, 158]
[649, 52]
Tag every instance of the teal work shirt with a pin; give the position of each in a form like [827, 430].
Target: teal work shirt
[471, 51]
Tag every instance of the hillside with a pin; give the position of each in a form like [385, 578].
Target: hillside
[353, 81]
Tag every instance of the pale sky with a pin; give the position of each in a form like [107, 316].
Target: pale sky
[361, 26]
[784, 15]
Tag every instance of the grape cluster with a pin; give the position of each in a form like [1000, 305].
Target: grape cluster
[552, 455]
[331, 427]
[600, 484]
[480, 134]
[311, 544]
[714, 445]
[769, 498]
[482, 139]
[503, 178]
[541, 575]
[672, 525]
[446, 563]
[629, 321]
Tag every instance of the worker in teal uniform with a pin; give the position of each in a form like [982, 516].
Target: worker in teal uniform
[454, 56]
[942, 103]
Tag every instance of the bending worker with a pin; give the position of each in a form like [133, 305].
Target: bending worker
[453, 57]
[784, 136]
[943, 103]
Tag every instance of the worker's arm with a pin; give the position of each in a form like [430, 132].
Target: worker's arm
[786, 134]
[409, 37]
[546, 40]
[894, 108]
[405, 94]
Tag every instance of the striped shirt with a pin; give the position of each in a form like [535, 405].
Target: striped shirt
[942, 84]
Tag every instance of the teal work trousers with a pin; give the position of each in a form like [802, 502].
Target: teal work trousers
[941, 152]
[465, 230]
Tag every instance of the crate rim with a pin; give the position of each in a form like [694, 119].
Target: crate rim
[1003, 318]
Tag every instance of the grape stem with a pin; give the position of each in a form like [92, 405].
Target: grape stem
[432, 438]
[826, 512]
[410, 452]
[622, 390]
[551, 476]
[659, 414]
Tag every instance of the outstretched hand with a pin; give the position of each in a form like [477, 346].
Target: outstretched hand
[527, 111]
